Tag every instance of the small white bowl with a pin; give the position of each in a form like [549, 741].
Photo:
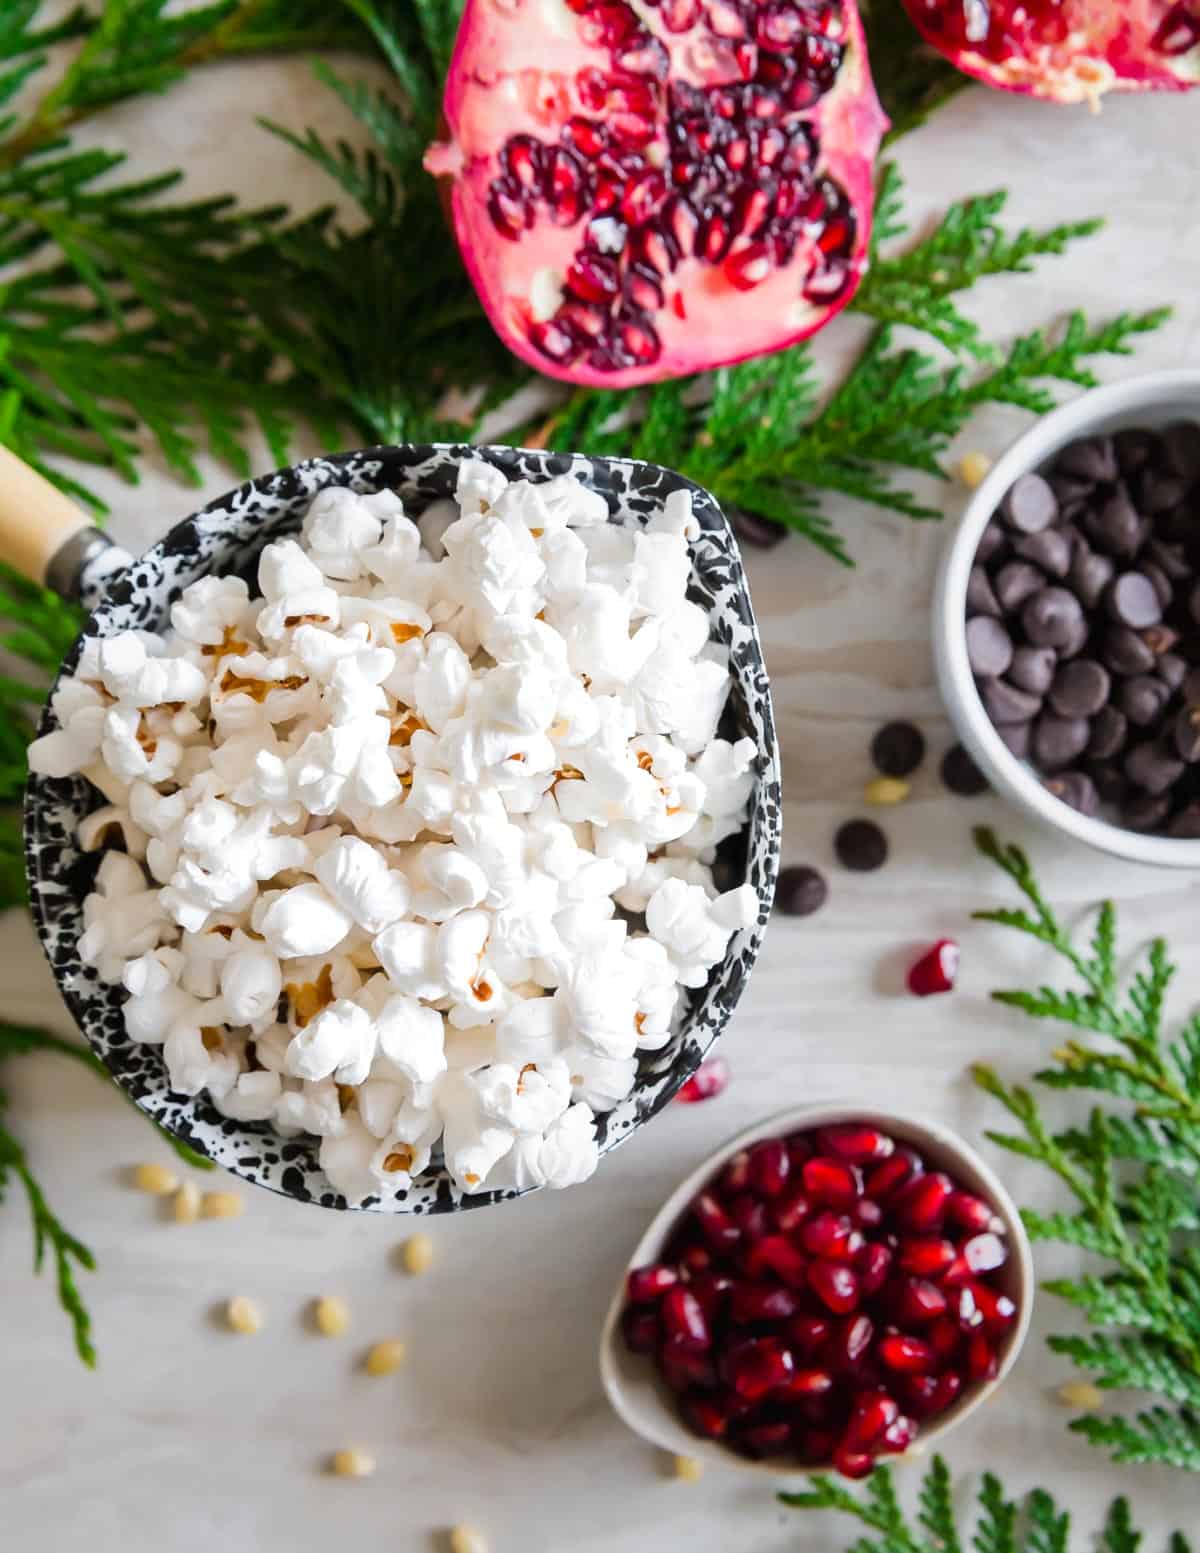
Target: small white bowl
[631, 1381]
[1152, 400]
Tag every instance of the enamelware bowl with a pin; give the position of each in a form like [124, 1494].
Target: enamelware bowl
[1152, 400]
[631, 1380]
[227, 536]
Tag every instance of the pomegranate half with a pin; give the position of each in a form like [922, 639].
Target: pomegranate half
[1068, 50]
[645, 190]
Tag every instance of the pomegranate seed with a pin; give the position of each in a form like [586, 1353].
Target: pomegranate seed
[835, 1285]
[791, 1210]
[706, 1083]
[644, 55]
[554, 340]
[737, 153]
[588, 136]
[521, 158]
[981, 1360]
[765, 1439]
[921, 1205]
[867, 1213]
[646, 1284]
[712, 1290]
[592, 87]
[769, 146]
[827, 1234]
[770, 1166]
[631, 130]
[926, 1256]
[853, 1340]
[920, 1301]
[1178, 32]
[831, 1182]
[642, 290]
[919, 1392]
[735, 1177]
[636, 97]
[897, 1437]
[749, 267]
[946, 1390]
[957, 1273]
[870, 1414]
[966, 1311]
[985, 1253]
[566, 189]
[643, 196]
[587, 319]
[966, 1211]
[907, 1354]
[718, 1229]
[695, 1259]
[810, 1383]
[997, 1310]
[757, 1366]
[715, 237]
[807, 1333]
[752, 1302]
[874, 1263]
[886, 1179]
[706, 1416]
[936, 969]
[852, 1463]
[799, 1149]
[639, 340]
[779, 1256]
[683, 1317]
[510, 213]
[682, 1367]
[640, 1329]
[751, 1217]
[945, 1337]
[856, 1144]
[680, 15]
[594, 277]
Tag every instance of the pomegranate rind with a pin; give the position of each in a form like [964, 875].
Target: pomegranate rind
[1110, 47]
[514, 72]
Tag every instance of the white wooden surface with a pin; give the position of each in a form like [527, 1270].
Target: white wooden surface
[188, 1438]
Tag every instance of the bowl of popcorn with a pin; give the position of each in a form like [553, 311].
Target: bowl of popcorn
[403, 828]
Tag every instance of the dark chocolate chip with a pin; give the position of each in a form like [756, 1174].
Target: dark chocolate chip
[1057, 741]
[1090, 458]
[1080, 688]
[1108, 780]
[1050, 550]
[980, 598]
[898, 749]
[961, 775]
[1181, 450]
[1078, 639]
[861, 846]
[1135, 447]
[1089, 574]
[1030, 505]
[1159, 491]
[1154, 766]
[753, 529]
[1016, 737]
[1116, 526]
[1004, 703]
[1187, 733]
[1075, 789]
[1191, 687]
[1015, 582]
[991, 542]
[1194, 603]
[1142, 699]
[1124, 652]
[1033, 669]
[1052, 617]
[1170, 557]
[1172, 670]
[1186, 824]
[1108, 733]
[1132, 601]
[1159, 581]
[1071, 493]
[989, 647]
[1145, 811]
[801, 890]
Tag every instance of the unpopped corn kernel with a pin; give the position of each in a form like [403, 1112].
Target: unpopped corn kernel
[1081, 1394]
[465, 1539]
[887, 790]
[222, 1205]
[385, 1357]
[352, 1463]
[155, 1179]
[689, 1469]
[973, 468]
[187, 1203]
[332, 1315]
[244, 1315]
[418, 1254]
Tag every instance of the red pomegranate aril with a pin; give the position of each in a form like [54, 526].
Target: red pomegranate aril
[867, 1214]
[588, 319]
[885, 1180]
[521, 159]
[751, 1217]
[735, 1178]
[643, 197]
[706, 1083]
[718, 1229]
[737, 153]
[765, 1439]
[947, 1389]
[778, 28]
[807, 1333]
[594, 277]
[874, 1263]
[967, 1212]
[680, 15]
[791, 1210]
[871, 1413]
[851, 1463]
[631, 130]
[642, 290]
[644, 55]
[777, 1254]
[770, 1166]
[640, 1328]
[706, 1416]
[827, 1234]
[898, 1436]
[566, 186]
[920, 1301]
[966, 1309]
[746, 58]
[799, 1149]
[654, 250]
[714, 238]
[588, 136]
[831, 1182]
[555, 341]
[754, 209]
[985, 1253]
[592, 87]
[683, 1368]
[853, 1341]
[998, 1311]
[1178, 31]
[957, 1273]
[921, 1205]
[810, 1383]
[835, 1285]
[981, 1358]
[936, 969]
[856, 1144]
[683, 1317]
[639, 340]
[695, 1259]
[945, 1337]
[909, 1355]
[751, 1302]
[511, 213]
[637, 97]
[756, 1367]
[647, 1284]
[712, 1290]
[926, 1256]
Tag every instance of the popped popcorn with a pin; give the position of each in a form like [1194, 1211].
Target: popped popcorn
[417, 843]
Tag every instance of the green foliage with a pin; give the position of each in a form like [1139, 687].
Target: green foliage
[912, 80]
[1001, 1524]
[1131, 1170]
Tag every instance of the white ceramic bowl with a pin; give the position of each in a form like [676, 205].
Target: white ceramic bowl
[631, 1381]
[1152, 400]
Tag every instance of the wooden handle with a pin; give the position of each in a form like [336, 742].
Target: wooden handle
[36, 519]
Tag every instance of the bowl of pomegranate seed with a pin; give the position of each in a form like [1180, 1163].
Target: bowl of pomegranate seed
[831, 1287]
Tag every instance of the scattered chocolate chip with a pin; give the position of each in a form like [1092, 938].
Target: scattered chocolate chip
[1033, 669]
[1030, 505]
[1057, 741]
[1142, 699]
[1144, 811]
[1153, 766]
[1090, 458]
[1075, 789]
[1132, 601]
[1124, 652]
[1089, 574]
[1108, 733]
[1080, 688]
[961, 775]
[1015, 582]
[980, 598]
[800, 891]
[1186, 824]
[1052, 617]
[1050, 550]
[1017, 737]
[991, 542]
[1004, 703]
[753, 529]
[860, 845]
[1115, 527]
[1187, 733]
[989, 647]
[898, 749]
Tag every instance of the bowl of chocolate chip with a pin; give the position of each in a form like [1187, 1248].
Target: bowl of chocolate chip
[1067, 620]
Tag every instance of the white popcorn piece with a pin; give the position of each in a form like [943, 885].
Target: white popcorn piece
[122, 919]
[411, 1041]
[308, 1107]
[359, 880]
[695, 930]
[525, 1099]
[566, 1155]
[209, 612]
[304, 920]
[345, 1156]
[140, 678]
[199, 1056]
[252, 1098]
[338, 527]
[471, 1143]
[339, 1042]
[103, 826]
[479, 485]
[408, 952]
[251, 982]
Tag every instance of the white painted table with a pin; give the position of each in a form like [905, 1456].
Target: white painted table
[188, 1439]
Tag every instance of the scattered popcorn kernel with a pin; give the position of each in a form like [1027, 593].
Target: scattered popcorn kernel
[887, 790]
[973, 469]
[1081, 1394]
[155, 1179]
[385, 1357]
[222, 1205]
[244, 1315]
[352, 1463]
[418, 1254]
[332, 1315]
[187, 1203]
[689, 1469]
[465, 1539]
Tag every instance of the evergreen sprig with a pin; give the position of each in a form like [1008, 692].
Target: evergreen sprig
[1132, 1171]
[1036, 1524]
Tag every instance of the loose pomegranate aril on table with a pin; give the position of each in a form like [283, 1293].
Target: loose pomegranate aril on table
[648, 1283]
[706, 1083]
[851, 1463]
[936, 969]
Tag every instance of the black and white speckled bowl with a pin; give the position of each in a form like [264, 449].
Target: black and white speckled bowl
[227, 536]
